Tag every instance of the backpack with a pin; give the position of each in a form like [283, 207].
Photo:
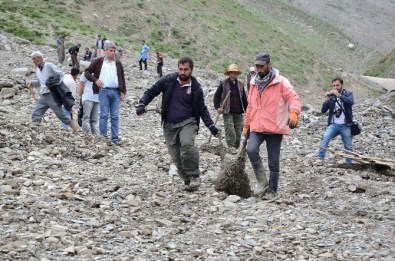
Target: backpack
[70, 50]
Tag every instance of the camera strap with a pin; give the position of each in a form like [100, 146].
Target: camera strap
[341, 107]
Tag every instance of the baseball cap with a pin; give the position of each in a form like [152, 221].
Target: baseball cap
[262, 59]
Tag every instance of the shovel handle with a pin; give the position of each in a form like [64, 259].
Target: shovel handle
[218, 114]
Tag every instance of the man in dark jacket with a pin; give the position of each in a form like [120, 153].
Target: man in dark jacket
[339, 102]
[108, 79]
[182, 107]
[74, 55]
[234, 106]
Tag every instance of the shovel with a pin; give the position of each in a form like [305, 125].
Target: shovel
[214, 149]
[218, 114]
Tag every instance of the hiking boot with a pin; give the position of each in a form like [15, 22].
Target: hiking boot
[186, 180]
[183, 176]
[193, 185]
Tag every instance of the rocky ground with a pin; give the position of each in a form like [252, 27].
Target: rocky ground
[65, 196]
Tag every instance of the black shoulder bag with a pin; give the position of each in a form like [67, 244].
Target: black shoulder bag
[355, 126]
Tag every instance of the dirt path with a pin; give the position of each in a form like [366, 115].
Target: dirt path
[388, 84]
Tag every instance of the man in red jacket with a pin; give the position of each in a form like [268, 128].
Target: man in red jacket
[273, 108]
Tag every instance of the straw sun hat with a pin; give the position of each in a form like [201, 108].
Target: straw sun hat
[233, 68]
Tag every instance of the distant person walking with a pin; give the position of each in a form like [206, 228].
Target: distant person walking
[338, 102]
[108, 77]
[143, 55]
[234, 107]
[159, 61]
[73, 51]
[44, 71]
[250, 75]
[90, 104]
[99, 46]
[182, 107]
[273, 108]
[70, 81]
[60, 49]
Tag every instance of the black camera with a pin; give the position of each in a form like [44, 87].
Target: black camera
[330, 95]
[338, 112]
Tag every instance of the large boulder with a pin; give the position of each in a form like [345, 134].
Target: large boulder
[4, 84]
[7, 93]
[84, 65]
[22, 71]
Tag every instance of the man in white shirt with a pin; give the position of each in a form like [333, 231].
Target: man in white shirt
[69, 80]
[108, 78]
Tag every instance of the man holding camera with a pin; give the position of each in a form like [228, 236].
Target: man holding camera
[339, 102]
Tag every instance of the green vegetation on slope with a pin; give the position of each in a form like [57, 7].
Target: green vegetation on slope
[384, 67]
[214, 33]
[36, 20]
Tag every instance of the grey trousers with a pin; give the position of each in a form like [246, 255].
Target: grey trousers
[45, 102]
[180, 141]
[90, 118]
[61, 54]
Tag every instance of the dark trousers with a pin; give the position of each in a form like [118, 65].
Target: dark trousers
[74, 61]
[141, 64]
[159, 69]
[273, 147]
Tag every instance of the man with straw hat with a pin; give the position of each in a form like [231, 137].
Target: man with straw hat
[231, 106]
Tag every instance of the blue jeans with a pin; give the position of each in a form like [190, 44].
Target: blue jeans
[109, 99]
[68, 114]
[331, 132]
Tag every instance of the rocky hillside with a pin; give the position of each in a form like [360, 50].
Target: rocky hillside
[368, 22]
[66, 196]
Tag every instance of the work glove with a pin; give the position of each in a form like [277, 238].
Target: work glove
[140, 109]
[293, 120]
[246, 130]
[214, 130]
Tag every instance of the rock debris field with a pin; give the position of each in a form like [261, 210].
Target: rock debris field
[66, 196]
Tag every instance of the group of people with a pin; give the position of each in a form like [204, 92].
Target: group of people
[144, 59]
[269, 109]
[102, 87]
[99, 52]
[88, 55]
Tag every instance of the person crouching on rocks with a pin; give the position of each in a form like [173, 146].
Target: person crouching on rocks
[182, 107]
[44, 71]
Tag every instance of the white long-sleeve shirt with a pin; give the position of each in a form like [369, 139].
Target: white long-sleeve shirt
[70, 82]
